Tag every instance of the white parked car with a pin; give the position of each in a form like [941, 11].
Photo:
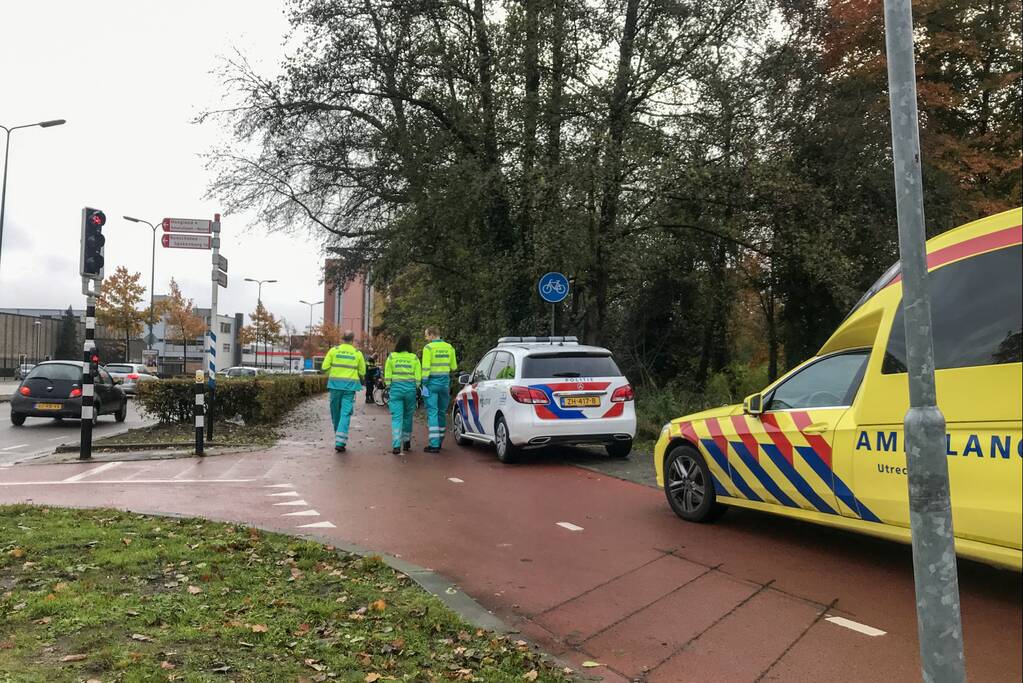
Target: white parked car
[129, 375]
[530, 392]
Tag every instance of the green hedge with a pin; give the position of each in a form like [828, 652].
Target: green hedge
[258, 400]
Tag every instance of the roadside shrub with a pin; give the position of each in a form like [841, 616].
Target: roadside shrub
[656, 406]
[258, 400]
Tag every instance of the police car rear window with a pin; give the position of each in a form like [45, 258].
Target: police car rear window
[569, 365]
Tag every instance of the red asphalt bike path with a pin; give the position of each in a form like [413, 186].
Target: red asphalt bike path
[621, 581]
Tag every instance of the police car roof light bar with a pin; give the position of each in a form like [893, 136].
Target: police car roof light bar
[538, 340]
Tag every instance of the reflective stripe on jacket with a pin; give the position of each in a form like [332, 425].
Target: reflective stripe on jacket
[345, 362]
[439, 359]
[402, 367]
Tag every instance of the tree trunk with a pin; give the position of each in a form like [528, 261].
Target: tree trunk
[618, 117]
[530, 108]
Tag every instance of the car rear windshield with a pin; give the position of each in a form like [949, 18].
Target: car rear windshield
[579, 364]
[120, 368]
[57, 371]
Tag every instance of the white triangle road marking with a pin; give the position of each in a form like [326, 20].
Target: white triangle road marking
[456, 480]
[570, 526]
[318, 525]
[302, 513]
[291, 502]
[283, 494]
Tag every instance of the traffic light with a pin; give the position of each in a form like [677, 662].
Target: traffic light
[94, 364]
[91, 265]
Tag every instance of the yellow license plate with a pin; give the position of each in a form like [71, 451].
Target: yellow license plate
[581, 402]
[48, 406]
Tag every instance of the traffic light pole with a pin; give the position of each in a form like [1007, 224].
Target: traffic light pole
[939, 624]
[88, 350]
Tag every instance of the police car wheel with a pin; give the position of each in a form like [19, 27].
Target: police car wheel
[689, 487]
[507, 452]
[459, 429]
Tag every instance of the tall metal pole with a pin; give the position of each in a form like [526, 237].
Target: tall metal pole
[7, 154]
[212, 350]
[88, 389]
[152, 290]
[930, 511]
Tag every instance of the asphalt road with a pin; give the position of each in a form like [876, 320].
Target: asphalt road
[589, 566]
[39, 436]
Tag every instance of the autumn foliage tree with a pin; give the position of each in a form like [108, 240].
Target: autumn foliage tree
[264, 329]
[182, 322]
[117, 307]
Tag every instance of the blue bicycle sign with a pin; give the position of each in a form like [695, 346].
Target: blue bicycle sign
[553, 287]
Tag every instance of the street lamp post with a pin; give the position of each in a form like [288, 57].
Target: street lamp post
[309, 332]
[310, 305]
[35, 341]
[259, 302]
[7, 154]
[152, 277]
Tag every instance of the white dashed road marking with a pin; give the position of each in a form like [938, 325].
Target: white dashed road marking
[277, 486]
[11, 448]
[856, 626]
[284, 494]
[89, 473]
[302, 513]
[127, 481]
[455, 480]
[291, 502]
[318, 525]
[570, 526]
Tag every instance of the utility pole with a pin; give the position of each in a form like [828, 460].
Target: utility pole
[939, 624]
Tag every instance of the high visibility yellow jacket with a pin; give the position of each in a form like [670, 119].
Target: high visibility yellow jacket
[346, 366]
[439, 360]
[402, 367]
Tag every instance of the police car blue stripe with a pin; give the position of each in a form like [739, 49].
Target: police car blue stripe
[804, 488]
[461, 411]
[736, 478]
[761, 474]
[836, 484]
[559, 412]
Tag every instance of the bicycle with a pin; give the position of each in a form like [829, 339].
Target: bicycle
[553, 287]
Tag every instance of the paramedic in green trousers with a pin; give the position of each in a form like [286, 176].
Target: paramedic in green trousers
[402, 375]
[438, 363]
[346, 370]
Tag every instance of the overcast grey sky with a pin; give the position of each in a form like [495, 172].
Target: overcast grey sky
[129, 77]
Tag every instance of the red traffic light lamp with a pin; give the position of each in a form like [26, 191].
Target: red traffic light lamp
[91, 263]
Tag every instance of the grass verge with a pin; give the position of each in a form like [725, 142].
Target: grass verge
[103, 595]
[226, 432]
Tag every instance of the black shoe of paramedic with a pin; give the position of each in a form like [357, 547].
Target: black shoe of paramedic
[407, 446]
[431, 449]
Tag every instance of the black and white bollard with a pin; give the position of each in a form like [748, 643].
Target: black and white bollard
[88, 395]
[200, 411]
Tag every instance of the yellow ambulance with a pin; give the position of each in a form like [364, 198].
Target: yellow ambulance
[825, 442]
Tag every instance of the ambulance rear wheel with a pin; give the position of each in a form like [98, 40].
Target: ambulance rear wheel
[507, 452]
[689, 487]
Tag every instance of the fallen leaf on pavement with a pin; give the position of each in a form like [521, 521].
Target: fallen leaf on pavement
[589, 664]
[74, 658]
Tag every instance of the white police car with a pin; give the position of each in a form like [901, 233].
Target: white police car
[531, 392]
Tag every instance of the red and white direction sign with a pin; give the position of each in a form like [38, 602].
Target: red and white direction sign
[186, 225]
[175, 241]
